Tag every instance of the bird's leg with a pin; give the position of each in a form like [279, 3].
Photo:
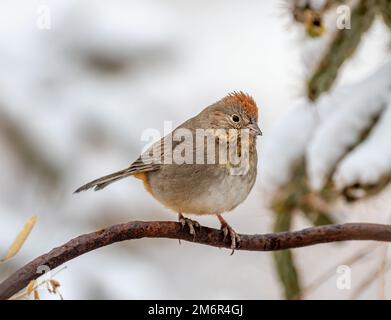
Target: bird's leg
[227, 230]
[190, 223]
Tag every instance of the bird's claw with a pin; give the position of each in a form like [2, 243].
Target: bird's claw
[190, 223]
[235, 238]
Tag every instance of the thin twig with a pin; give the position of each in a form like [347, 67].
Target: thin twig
[368, 281]
[329, 273]
[382, 273]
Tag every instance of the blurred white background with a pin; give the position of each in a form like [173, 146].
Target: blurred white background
[74, 100]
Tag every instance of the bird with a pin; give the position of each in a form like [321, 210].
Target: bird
[177, 172]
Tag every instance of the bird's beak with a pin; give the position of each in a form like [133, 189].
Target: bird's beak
[253, 126]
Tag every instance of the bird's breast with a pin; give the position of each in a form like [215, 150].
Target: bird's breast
[202, 189]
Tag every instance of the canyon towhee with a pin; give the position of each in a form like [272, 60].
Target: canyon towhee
[184, 173]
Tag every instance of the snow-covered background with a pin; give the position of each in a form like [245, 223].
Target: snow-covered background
[75, 98]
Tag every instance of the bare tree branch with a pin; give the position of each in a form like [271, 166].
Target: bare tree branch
[207, 236]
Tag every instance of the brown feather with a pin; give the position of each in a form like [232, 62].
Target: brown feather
[245, 100]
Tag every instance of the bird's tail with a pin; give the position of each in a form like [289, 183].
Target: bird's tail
[103, 182]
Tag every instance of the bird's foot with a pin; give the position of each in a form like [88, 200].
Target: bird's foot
[231, 233]
[235, 238]
[190, 223]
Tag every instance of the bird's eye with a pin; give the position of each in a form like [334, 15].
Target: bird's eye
[235, 118]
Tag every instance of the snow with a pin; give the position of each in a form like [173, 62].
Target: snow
[89, 123]
[317, 4]
[285, 145]
[122, 26]
[323, 132]
[355, 109]
[178, 58]
[371, 160]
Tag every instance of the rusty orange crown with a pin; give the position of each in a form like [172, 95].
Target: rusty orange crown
[245, 100]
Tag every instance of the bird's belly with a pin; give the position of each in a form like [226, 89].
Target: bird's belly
[214, 192]
[220, 198]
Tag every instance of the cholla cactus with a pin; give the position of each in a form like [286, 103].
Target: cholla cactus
[341, 151]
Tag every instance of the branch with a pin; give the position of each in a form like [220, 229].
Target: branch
[385, 8]
[207, 236]
[341, 48]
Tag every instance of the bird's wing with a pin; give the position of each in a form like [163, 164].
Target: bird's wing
[157, 154]
[150, 160]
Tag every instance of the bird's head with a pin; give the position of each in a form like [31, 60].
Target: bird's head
[237, 110]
